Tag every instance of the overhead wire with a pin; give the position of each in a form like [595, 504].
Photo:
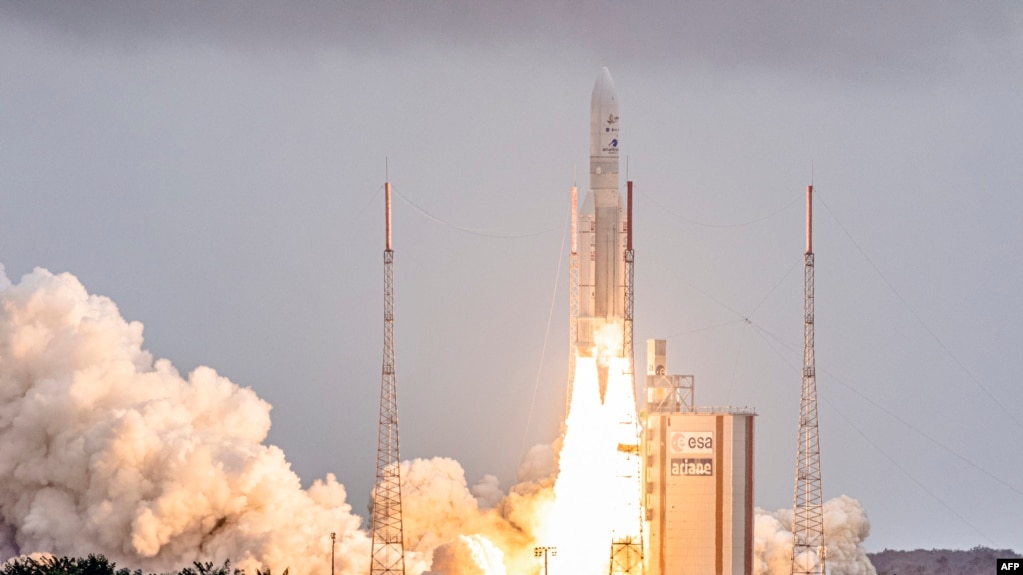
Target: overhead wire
[472, 231]
[882, 451]
[919, 484]
[729, 225]
[743, 318]
[735, 364]
[772, 290]
[923, 324]
[714, 299]
[357, 215]
[546, 338]
[765, 333]
[705, 328]
[708, 295]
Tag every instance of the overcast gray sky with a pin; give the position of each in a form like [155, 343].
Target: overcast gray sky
[216, 169]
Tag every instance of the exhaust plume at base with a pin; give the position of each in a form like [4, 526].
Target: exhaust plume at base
[105, 450]
[845, 527]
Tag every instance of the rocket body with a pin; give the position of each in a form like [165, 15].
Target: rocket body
[602, 232]
[598, 492]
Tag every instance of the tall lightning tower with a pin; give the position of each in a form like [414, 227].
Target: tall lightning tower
[573, 298]
[627, 545]
[387, 556]
[808, 552]
[630, 259]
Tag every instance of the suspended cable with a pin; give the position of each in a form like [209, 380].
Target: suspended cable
[742, 317]
[472, 231]
[715, 300]
[890, 458]
[362, 210]
[546, 337]
[735, 225]
[907, 473]
[705, 328]
[735, 364]
[781, 281]
[893, 415]
[969, 374]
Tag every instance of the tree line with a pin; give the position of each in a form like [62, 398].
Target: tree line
[100, 565]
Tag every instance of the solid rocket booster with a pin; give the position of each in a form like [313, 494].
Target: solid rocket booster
[602, 225]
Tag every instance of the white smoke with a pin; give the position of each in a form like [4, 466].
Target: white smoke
[448, 527]
[487, 492]
[105, 450]
[469, 555]
[845, 527]
[540, 464]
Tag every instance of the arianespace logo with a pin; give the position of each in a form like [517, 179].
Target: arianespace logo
[692, 442]
[693, 467]
[611, 129]
[611, 147]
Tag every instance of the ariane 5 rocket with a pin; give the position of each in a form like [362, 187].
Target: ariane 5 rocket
[601, 234]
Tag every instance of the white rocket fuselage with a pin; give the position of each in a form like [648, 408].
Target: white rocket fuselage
[602, 226]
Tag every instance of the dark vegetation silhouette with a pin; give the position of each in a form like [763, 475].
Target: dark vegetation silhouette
[976, 561]
[100, 565]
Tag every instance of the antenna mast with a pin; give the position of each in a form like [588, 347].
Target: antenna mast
[573, 296]
[808, 552]
[387, 556]
[627, 545]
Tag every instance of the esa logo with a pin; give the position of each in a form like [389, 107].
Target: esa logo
[692, 442]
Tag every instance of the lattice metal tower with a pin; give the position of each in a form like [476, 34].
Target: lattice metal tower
[808, 552]
[627, 547]
[387, 556]
[630, 259]
[573, 298]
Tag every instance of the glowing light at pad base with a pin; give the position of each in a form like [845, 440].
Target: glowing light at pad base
[597, 492]
[580, 520]
[620, 403]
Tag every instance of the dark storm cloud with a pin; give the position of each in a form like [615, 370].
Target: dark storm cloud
[819, 38]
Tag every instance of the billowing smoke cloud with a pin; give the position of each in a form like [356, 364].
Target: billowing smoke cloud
[845, 528]
[456, 533]
[469, 555]
[104, 449]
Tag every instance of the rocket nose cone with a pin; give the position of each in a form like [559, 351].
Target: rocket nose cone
[604, 118]
[603, 88]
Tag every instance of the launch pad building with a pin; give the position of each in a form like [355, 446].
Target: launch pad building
[698, 478]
